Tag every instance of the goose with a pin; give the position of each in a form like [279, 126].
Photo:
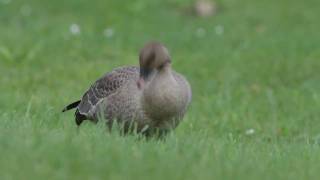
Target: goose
[152, 98]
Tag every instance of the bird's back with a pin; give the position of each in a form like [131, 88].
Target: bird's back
[105, 87]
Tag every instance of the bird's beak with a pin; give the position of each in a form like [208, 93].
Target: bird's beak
[144, 74]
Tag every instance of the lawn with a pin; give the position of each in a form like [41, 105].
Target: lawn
[253, 67]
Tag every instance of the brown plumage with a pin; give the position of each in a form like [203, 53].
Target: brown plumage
[151, 98]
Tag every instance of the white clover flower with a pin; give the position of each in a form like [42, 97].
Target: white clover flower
[75, 29]
[250, 131]
[201, 32]
[109, 32]
[219, 29]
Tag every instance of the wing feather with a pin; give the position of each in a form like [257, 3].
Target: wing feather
[105, 86]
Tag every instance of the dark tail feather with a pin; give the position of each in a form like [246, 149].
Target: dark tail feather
[79, 117]
[71, 106]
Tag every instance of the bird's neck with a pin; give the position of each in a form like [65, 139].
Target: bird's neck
[161, 94]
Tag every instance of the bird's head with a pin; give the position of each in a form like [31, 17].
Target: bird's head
[154, 58]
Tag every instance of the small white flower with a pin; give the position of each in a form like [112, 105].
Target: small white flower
[219, 29]
[75, 29]
[108, 32]
[250, 131]
[201, 32]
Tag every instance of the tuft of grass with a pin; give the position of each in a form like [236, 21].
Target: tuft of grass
[253, 69]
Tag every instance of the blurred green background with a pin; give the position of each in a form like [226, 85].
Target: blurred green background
[253, 67]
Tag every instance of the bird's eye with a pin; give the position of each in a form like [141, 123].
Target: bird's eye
[167, 61]
[161, 66]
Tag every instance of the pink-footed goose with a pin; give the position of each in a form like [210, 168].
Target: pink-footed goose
[152, 98]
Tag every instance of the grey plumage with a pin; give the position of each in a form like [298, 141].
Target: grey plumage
[151, 98]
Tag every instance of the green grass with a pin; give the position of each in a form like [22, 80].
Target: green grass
[261, 73]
